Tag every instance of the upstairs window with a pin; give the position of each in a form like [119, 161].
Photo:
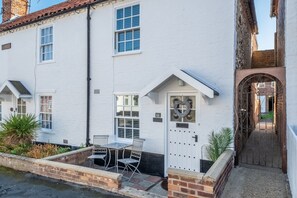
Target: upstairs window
[128, 29]
[46, 44]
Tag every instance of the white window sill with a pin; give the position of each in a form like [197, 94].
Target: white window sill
[46, 62]
[127, 53]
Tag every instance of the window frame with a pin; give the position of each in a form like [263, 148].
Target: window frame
[39, 57]
[124, 30]
[117, 117]
[40, 112]
[20, 107]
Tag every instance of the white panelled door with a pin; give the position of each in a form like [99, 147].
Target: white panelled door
[183, 150]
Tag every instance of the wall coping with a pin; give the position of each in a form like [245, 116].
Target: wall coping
[185, 173]
[68, 153]
[219, 166]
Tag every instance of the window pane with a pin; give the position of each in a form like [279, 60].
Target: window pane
[135, 21]
[119, 100]
[135, 123]
[121, 47]
[135, 100]
[121, 133]
[121, 122]
[135, 111]
[128, 11]
[128, 23]
[120, 24]
[121, 36]
[127, 111]
[136, 133]
[129, 35]
[129, 133]
[136, 34]
[127, 100]
[136, 45]
[119, 111]
[129, 123]
[191, 117]
[136, 9]
[129, 46]
[120, 13]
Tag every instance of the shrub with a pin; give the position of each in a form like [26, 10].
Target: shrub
[21, 149]
[45, 150]
[19, 129]
[218, 143]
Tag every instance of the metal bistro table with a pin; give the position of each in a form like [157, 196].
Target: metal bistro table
[115, 146]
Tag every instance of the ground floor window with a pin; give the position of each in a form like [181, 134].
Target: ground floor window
[21, 108]
[45, 116]
[127, 116]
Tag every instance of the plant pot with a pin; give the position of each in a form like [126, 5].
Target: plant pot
[205, 165]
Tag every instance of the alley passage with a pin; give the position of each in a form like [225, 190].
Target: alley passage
[262, 147]
[256, 182]
[15, 184]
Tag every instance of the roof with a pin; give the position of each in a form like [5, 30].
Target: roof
[49, 12]
[190, 79]
[16, 88]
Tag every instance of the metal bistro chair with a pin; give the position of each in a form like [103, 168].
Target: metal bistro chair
[98, 151]
[133, 161]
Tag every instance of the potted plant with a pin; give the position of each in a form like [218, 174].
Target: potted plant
[218, 143]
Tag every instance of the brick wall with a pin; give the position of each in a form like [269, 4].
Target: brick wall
[186, 184]
[264, 58]
[246, 40]
[66, 172]
[77, 157]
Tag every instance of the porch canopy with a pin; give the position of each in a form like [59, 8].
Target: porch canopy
[187, 77]
[16, 88]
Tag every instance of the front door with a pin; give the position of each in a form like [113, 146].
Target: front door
[183, 151]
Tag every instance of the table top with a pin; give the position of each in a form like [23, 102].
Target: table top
[116, 145]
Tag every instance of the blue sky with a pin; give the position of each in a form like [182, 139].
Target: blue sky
[265, 23]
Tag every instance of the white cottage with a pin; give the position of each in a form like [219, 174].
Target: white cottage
[158, 70]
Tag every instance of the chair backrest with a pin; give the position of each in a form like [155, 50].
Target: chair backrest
[136, 149]
[137, 144]
[99, 140]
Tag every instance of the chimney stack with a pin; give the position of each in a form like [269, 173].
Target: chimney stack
[13, 8]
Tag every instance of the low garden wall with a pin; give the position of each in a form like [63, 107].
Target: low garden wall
[182, 183]
[67, 172]
[77, 157]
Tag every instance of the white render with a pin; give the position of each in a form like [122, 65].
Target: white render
[196, 36]
[291, 72]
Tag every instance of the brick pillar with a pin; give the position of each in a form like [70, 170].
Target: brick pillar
[14, 8]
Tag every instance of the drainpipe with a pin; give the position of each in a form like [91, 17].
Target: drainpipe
[88, 74]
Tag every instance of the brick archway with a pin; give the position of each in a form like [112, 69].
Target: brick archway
[245, 78]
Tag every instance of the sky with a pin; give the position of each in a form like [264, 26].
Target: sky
[266, 24]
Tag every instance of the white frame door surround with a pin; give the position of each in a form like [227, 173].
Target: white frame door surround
[182, 131]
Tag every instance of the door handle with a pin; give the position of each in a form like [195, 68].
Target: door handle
[195, 137]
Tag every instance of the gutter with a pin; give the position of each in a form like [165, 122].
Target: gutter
[88, 74]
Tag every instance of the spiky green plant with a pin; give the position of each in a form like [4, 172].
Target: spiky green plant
[19, 129]
[218, 143]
